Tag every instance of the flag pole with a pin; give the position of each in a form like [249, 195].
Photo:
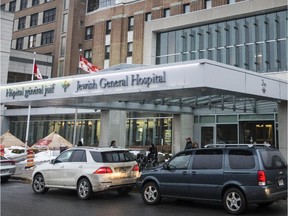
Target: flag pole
[29, 108]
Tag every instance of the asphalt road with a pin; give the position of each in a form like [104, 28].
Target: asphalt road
[18, 199]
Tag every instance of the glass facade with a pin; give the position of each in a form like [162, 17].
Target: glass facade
[257, 43]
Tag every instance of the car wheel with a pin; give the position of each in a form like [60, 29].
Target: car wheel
[38, 184]
[234, 201]
[124, 191]
[151, 194]
[84, 189]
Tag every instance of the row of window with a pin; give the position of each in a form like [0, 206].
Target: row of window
[93, 5]
[46, 38]
[23, 4]
[48, 16]
[255, 43]
[88, 53]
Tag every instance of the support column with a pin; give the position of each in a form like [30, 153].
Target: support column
[282, 127]
[182, 127]
[113, 127]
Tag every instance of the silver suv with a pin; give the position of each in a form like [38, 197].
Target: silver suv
[235, 175]
[87, 170]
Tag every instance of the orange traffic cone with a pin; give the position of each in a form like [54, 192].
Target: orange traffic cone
[2, 150]
[30, 159]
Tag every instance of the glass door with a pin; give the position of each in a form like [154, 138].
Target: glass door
[207, 135]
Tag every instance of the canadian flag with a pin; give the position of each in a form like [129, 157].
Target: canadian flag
[87, 66]
[37, 72]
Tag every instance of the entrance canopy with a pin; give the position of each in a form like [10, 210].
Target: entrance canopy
[172, 88]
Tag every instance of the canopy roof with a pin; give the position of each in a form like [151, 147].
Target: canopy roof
[172, 88]
[52, 141]
[8, 140]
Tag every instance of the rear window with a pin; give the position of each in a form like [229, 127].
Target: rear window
[272, 159]
[112, 157]
[241, 159]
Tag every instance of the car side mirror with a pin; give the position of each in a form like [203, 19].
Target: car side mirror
[52, 161]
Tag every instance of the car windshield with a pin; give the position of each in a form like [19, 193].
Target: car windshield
[112, 157]
[273, 159]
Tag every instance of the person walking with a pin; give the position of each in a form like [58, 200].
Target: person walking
[113, 144]
[189, 144]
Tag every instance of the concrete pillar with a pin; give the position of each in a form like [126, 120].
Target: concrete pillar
[182, 128]
[282, 127]
[113, 127]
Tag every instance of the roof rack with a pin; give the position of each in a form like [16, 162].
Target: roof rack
[235, 145]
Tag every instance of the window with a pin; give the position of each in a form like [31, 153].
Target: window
[12, 6]
[129, 49]
[34, 20]
[148, 17]
[63, 46]
[64, 157]
[65, 22]
[23, 4]
[32, 41]
[21, 23]
[88, 55]
[107, 52]
[108, 27]
[166, 12]
[3, 7]
[79, 156]
[46, 1]
[130, 23]
[49, 15]
[208, 4]
[208, 159]
[241, 159]
[272, 159]
[180, 161]
[89, 32]
[19, 43]
[93, 5]
[47, 37]
[35, 2]
[112, 157]
[186, 8]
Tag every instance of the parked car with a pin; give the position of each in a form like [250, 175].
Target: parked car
[87, 170]
[8, 168]
[235, 175]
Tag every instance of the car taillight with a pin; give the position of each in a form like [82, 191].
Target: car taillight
[261, 178]
[135, 168]
[103, 170]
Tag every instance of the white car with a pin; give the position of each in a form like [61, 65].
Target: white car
[7, 167]
[87, 170]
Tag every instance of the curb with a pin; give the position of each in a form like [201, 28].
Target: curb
[24, 179]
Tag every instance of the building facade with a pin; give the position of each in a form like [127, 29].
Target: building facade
[250, 34]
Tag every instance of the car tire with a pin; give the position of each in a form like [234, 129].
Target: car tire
[151, 194]
[234, 201]
[124, 190]
[84, 189]
[38, 184]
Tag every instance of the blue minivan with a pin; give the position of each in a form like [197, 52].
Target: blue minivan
[235, 175]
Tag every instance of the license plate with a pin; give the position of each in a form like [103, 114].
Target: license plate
[280, 182]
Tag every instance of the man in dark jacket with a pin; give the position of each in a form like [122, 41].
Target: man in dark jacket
[188, 143]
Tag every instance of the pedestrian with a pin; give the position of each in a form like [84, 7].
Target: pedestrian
[188, 143]
[153, 154]
[113, 144]
[194, 145]
[80, 143]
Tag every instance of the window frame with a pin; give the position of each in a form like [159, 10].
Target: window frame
[49, 15]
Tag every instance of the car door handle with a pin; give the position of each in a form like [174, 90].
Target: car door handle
[184, 172]
[81, 166]
[193, 172]
[61, 166]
